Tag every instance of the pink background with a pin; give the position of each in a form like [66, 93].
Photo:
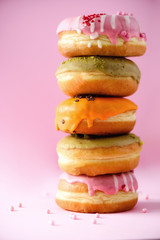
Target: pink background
[29, 95]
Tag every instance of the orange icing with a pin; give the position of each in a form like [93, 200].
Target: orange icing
[70, 113]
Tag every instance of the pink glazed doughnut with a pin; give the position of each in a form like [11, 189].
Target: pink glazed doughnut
[101, 34]
[102, 194]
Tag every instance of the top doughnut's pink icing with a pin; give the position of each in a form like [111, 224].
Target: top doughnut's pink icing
[120, 24]
[109, 184]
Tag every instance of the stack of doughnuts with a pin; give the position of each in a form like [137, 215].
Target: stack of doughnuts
[99, 155]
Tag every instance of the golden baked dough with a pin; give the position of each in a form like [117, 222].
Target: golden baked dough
[75, 197]
[72, 44]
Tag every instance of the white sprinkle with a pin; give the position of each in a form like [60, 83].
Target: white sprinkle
[94, 35]
[89, 44]
[99, 44]
[78, 31]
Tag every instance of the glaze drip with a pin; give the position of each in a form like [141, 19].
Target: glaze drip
[73, 111]
[109, 184]
[113, 26]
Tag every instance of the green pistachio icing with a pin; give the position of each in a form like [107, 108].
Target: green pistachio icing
[89, 142]
[111, 66]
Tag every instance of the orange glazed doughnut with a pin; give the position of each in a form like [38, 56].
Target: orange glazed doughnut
[101, 34]
[96, 116]
[92, 155]
[99, 76]
[103, 194]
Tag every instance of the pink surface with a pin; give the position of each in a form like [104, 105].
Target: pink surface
[33, 222]
[29, 95]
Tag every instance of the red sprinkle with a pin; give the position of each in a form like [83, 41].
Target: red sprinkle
[143, 35]
[119, 13]
[127, 35]
[90, 18]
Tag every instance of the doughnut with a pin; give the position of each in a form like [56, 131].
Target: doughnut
[102, 194]
[101, 34]
[92, 155]
[99, 76]
[96, 115]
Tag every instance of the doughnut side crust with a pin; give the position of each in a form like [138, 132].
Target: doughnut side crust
[72, 44]
[77, 83]
[119, 124]
[106, 128]
[99, 161]
[75, 197]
